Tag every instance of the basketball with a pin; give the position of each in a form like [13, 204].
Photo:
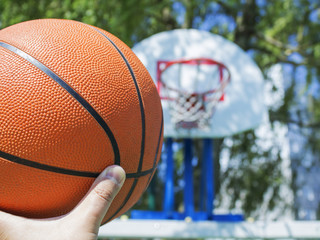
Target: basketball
[74, 99]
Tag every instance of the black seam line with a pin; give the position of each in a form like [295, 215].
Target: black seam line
[142, 123]
[140, 174]
[45, 167]
[150, 171]
[125, 200]
[157, 152]
[65, 171]
[139, 97]
[73, 93]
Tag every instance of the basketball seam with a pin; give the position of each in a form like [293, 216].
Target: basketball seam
[152, 170]
[157, 152]
[72, 92]
[139, 97]
[142, 122]
[65, 171]
[37, 165]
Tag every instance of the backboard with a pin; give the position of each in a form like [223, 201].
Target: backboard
[240, 105]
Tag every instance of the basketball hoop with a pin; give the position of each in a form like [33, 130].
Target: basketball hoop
[192, 109]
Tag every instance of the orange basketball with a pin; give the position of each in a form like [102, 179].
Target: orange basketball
[74, 99]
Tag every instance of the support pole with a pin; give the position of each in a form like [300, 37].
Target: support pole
[188, 179]
[209, 173]
[168, 205]
[203, 182]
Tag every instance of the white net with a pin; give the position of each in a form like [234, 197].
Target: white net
[195, 88]
[191, 111]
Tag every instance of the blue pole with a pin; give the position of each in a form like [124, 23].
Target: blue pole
[168, 205]
[203, 183]
[188, 179]
[209, 173]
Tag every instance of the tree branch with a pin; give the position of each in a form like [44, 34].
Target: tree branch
[288, 48]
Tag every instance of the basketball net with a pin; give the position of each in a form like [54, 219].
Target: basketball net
[188, 108]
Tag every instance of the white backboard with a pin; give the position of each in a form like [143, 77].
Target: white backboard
[243, 106]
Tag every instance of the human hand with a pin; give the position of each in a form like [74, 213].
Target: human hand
[82, 223]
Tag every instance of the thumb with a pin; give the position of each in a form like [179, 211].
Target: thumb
[96, 203]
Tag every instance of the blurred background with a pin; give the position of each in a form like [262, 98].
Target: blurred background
[270, 173]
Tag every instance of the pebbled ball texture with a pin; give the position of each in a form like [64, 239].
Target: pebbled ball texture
[74, 99]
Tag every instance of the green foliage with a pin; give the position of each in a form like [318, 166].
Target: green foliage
[252, 172]
[129, 20]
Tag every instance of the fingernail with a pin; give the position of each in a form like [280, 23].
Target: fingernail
[115, 173]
